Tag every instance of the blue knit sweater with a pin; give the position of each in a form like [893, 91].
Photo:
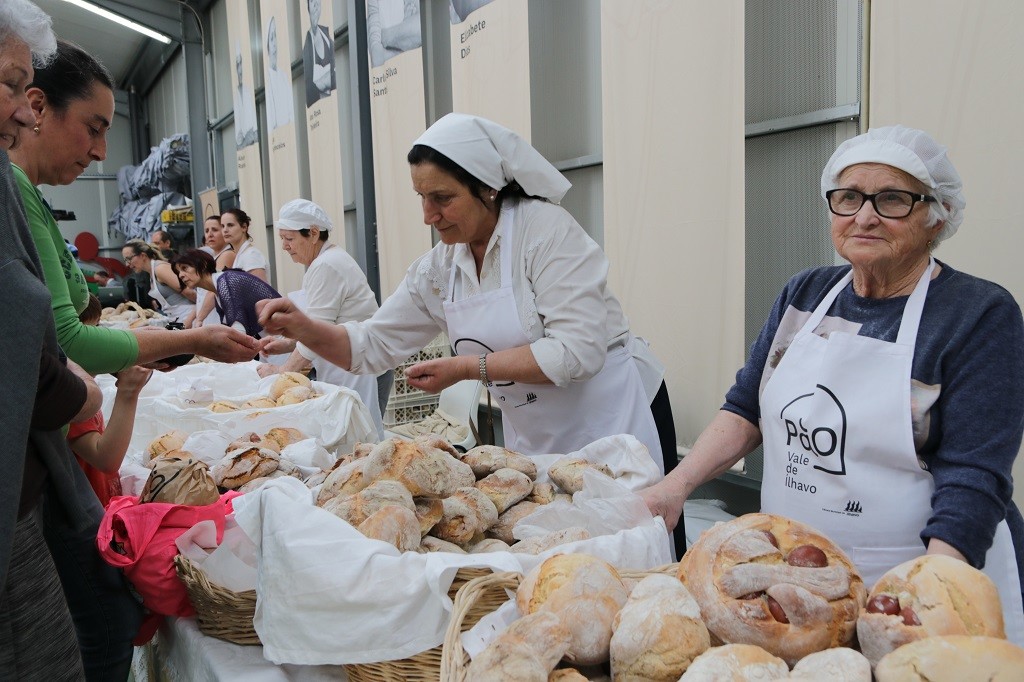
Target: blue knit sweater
[967, 384]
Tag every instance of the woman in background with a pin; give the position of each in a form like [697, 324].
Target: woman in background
[166, 289]
[235, 223]
[215, 245]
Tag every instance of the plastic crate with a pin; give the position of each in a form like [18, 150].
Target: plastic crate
[400, 390]
[398, 413]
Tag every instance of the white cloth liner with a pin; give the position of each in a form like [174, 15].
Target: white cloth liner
[318, 576]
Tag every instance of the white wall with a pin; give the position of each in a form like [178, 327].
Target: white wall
[954, 69]
[167, 103]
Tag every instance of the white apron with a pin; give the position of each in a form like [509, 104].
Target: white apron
[541, 419]
[176, 312]
[363, 384]
[839, 449]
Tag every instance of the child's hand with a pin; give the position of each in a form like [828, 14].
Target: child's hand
[131, 380]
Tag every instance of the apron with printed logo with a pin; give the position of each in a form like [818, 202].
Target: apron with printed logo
[541, 419]
[839, 449]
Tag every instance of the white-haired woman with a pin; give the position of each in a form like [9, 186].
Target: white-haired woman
[37, 636]
[888, 393]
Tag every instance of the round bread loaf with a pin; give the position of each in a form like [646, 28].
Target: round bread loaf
[284, 436]
[395, 525]
[505, 487]
[776, 583]
[927, 596]
[287, 380]
[658, 633]
[222, 406]
[467, 514]
[295, 395]
[357, 508]
[429, 511]
[567, 473]
[736, 663]
[508, 519]
[246, 440]
[241, 466]
[528, 650]
[833, 665]
[172, 440]
[953, 658]
[344, 481]
[486, 459]
[261, 402]
[423, 470]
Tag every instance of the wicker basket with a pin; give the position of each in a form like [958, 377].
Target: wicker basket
[470, 603]
[220, 612]
[426, 665]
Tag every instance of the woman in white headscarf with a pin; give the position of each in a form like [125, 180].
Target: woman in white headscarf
[888, 393]
[522, 293]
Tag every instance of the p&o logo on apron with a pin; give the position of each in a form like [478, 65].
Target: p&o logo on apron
[815, 426]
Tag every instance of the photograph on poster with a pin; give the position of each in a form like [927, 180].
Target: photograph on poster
[245, 107]
[461, 9]
[280, 101]
[318, 57]
[392, 27]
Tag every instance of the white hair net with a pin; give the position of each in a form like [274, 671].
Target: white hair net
[494, 155]
[302, 214]
[914, 152]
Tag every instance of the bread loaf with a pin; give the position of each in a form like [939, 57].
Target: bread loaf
[737, 663]
[542, 493]
[488, 545]
[486, 459]
[258, 482]
[172, 440]
[395, 525]
[467, 513]
[429, 511]
[437, 442]
[566, 675]
[526, 652]
[567, 473]
[953, 658]
[508, 519]
[284, 436]
[833, 665]
[357, 508]
[776, 583]
[585, 592]
[658, 632]
[246, 440]
[431, 544]
[285, 381]
[261, 402]
[424, 471]
[222, 406]
[241, 466]
[295, 395]
[556, 538]
[344, 481]
[927, 596]
[505, 487]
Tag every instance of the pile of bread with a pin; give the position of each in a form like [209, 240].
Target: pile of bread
[758, 598]
[249, 461]
[130, 313]
[289, 388]
[423, 495]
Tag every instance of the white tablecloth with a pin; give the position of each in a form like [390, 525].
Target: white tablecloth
[180, 653]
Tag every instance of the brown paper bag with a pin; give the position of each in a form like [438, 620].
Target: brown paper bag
[178, 480]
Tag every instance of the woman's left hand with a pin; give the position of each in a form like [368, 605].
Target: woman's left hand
[433, 376]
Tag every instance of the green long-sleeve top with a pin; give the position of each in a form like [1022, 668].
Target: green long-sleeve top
[97, 349]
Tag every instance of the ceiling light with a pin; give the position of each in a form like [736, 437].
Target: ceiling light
[118, 19]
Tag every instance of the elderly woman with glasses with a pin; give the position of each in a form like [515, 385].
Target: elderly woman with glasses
[165, 287]
[888, 393]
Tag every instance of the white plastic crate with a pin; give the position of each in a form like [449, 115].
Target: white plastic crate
[407, 411]
[401, 390]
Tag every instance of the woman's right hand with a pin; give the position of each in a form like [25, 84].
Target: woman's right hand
[282, 317]
[664, 500]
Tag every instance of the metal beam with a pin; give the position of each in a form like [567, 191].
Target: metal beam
[846, 112]
[159, 15]
[362, 145]
[198, 130]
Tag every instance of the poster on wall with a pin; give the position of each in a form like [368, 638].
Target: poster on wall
[209, 201]
[490, 44]
[284, 158]
[250, 171]
[398, 116]
[323, 125]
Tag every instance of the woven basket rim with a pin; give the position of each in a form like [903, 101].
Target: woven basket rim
[220, 612]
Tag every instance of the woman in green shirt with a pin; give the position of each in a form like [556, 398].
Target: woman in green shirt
[72, 99]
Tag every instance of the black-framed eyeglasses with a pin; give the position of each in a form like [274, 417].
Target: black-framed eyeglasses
[889, 203]
[129, 259]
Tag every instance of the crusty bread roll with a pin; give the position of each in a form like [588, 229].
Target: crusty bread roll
[431, 544]
[926, 596]
[467, 513]
[438, 442]
[295, 395]
[486, 459]
[658, 632]
[586, 593]
[172, 440]
[222, 406]
[316, 479]
[771, 581]
[246, 440]
[258, 482]
[508, 519]
[262, 402]
[429, 511]
[542, 493]
[357, 508]
[505, 487]
[566, 675]
[284, 436]
[833, 665]
[423, 470]
[243, 465]
[953, 658]
[395, 525]
[526, 652]
[542, 543]
[362, 450]
[285, 381]
[567, 473]
[737, 663]
[488, 545]
[344, 481]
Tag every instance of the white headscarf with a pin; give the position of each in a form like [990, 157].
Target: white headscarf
[494, 155]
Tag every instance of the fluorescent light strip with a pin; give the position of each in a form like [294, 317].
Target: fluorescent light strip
[118, 19]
